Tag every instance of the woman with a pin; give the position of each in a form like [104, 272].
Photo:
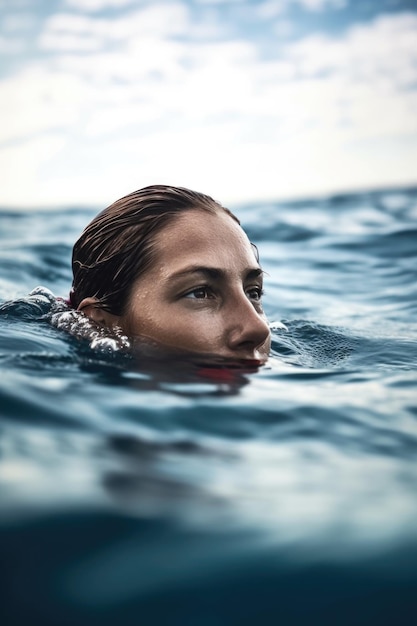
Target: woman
[173, 266]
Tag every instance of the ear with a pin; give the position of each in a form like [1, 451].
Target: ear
[91, 308]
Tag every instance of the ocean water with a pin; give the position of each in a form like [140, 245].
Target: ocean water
[135, 490]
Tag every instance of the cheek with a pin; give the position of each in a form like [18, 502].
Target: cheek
[188, 332]
[164, 325]
[134, 322]
[211, 336]
[150, 315]
[142, 313]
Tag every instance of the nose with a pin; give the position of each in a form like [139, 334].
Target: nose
[248, 329]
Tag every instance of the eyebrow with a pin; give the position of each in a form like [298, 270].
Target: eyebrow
[215, 273]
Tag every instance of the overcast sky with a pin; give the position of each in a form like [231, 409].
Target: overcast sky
[241, 99]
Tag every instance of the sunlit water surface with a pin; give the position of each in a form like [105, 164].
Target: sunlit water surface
[138, 490]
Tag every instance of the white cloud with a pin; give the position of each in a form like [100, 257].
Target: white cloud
[36, 101]
[146, 105]
[272, 8]
[11, 45]
[97, 5]
[321, 5]
[386, 48]
[366, 79]
[21, 171]
[275, 7]
[82, 33]
[64, 42]
[17, 22]
[218, 2]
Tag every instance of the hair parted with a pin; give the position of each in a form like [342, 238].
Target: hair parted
[117, 247]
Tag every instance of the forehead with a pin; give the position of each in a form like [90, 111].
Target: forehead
[202, 235]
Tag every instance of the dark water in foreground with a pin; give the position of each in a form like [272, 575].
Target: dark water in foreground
[137, 493]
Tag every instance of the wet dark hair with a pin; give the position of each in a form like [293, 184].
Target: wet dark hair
[118, 245]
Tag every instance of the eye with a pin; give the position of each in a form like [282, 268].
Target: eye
[200, 293]
[255, 293]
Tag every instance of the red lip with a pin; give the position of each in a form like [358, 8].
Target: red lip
[218, 375]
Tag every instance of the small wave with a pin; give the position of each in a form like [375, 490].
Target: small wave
[101, 339]
[312, 345]
[37, 304]
[41, 303]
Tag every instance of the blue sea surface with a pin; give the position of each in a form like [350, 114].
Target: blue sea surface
[137, 491]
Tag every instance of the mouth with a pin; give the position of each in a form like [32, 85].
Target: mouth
[216, 364]
[252, 360]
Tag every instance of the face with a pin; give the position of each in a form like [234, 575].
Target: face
[203, 292]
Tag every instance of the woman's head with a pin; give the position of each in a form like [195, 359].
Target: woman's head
[172, 265]
[117, 246]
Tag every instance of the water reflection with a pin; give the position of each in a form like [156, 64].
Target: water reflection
[151, 367]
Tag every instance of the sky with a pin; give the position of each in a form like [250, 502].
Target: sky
[244, 100]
